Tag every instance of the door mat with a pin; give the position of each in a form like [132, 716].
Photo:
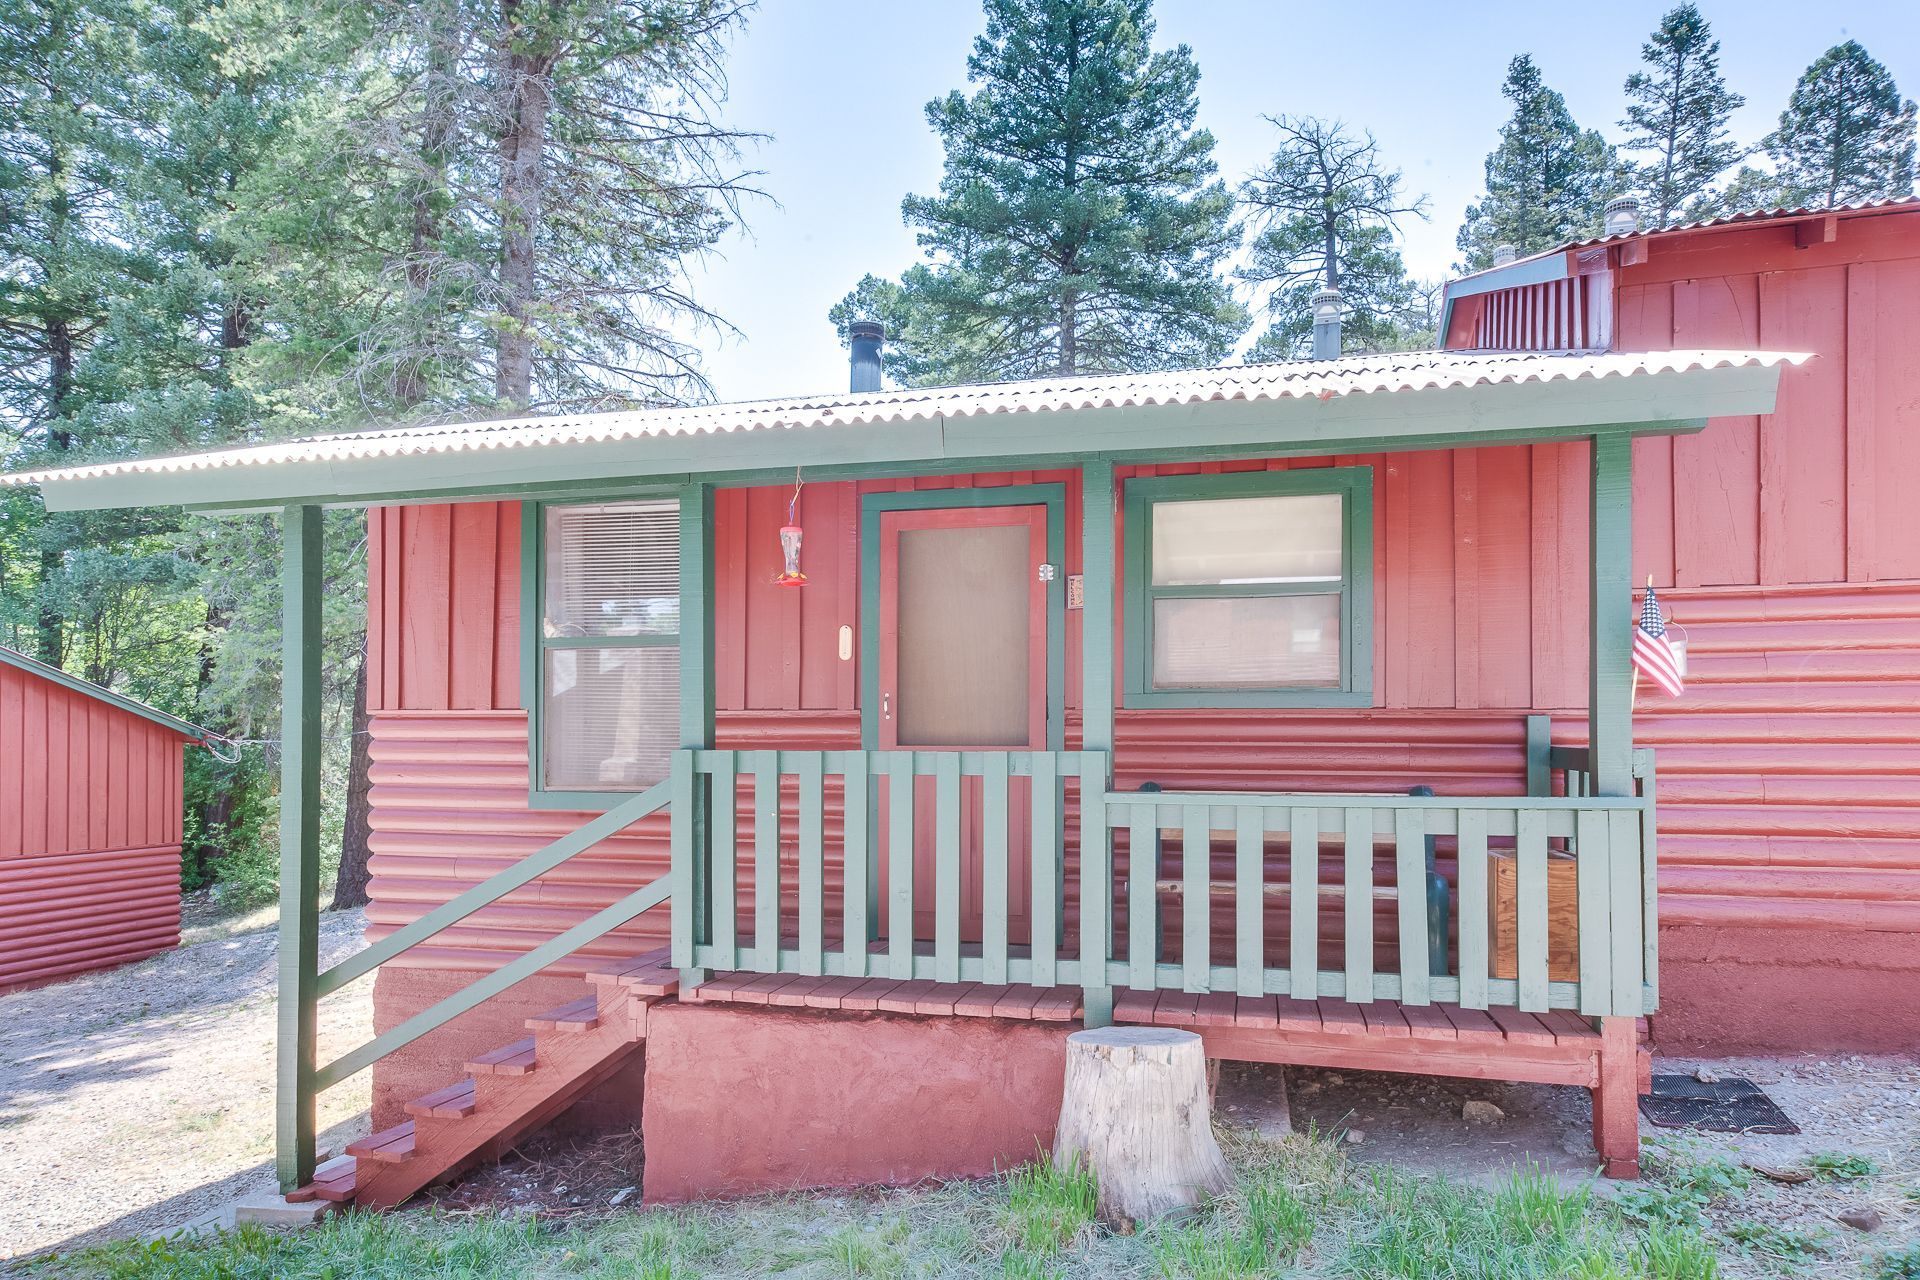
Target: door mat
[1731, 1105]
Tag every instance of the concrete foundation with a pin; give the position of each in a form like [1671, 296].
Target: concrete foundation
[747, 1100]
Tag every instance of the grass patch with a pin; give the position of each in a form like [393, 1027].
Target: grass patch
[1778, 1243]
[1841, 1166]
[1902, 1265]
[1297, 1208]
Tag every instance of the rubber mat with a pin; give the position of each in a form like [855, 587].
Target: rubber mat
[1730, 1105]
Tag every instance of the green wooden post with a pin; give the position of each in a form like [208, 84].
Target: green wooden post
[1610, 614]
[301, 586]
[696, 713]
[1096, 734]
[1539, 756]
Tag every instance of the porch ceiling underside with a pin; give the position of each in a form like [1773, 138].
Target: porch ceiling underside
[1352, 405]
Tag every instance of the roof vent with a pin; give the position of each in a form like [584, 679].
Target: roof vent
[865, 337]
[1503, 254]
[1326, 324]
[1622, 217]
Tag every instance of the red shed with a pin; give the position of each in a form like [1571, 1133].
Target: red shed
[89, 825]
[1787, 545]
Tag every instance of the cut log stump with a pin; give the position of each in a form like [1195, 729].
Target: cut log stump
[1137, 1114]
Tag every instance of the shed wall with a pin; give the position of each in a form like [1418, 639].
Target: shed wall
[90, 812]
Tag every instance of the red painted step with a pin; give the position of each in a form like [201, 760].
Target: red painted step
[515, 1059]
[333, 1181]
[454, 1102]
[575, 1015]
[389, 1146]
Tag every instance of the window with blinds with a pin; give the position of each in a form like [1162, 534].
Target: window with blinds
[1243, 587]
[609, 645]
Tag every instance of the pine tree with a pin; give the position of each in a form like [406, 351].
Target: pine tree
[1547, 181]
[1677, 113]
[1846, 135]
[1079, 226]
[1324, 213]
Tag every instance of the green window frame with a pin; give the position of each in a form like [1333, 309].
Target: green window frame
[538, 646]
[1354, 486]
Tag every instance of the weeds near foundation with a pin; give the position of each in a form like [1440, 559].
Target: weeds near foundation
[1777, 1243]
[1840, 1166]
[1049, 1206]
[1678, 1191]
[1904, 1265]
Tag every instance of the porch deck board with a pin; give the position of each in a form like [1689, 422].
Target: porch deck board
[919, 997]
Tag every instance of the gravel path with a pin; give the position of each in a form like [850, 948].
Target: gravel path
[135, 1100]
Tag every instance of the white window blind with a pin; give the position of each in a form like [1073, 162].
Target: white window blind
[610, 660]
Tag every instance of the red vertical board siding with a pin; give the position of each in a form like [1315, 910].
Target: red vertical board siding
[1716, 473]
[1803, 442]
[89, 839]
[1883, 387]
[473, 576]
[1503, 598]
[506, 609]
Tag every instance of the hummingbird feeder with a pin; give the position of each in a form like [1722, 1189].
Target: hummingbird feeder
[790, 575]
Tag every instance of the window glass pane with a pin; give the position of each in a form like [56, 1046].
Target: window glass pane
[1246, 642]
[611, 718]
[613, 569]
[1289, 538]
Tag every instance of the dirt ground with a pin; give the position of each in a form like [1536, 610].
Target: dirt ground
[134, 1100]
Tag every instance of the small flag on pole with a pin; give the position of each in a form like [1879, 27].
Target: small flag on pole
[1653, 651]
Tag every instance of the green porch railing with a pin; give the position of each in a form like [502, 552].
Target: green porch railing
[1300, 870]
[788, 929]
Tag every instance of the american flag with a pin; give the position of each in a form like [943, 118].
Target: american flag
[1653, 652]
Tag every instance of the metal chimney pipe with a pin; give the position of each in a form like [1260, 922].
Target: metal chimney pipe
[1503, 254]
[865, 337]
[1326, 324]
[1622, 216]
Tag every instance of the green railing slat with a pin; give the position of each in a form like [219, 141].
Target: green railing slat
[1096, 874]
[1196, 898]
[1593, 870]
[1623, 853]
[1250, 900]
[813, 864]
[724, 836]
[680, 859]
[1046, 868]
[1475, 929]
[1143, 898]
[766, 860]
[946, 867]
[1650, 876]
[1530, 869]
[1410, 880]
[993, 867]
[1358, 881]
[856, 924]
[507, 975]
[900, 835]
[1303, 906]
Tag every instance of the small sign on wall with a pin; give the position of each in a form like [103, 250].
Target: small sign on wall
[1076, 591]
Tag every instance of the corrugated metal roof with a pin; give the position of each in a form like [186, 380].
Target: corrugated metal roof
[1745, 218]
[33, 666]
[1381, 375]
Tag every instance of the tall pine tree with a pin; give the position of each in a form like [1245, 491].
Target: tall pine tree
[1846, 135]
[1324, 212]
[1079, 225]
[1548, 180]
[1677, 112]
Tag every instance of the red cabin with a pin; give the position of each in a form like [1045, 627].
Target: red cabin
[89, 825]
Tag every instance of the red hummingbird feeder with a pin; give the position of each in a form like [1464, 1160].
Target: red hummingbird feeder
[790, 575]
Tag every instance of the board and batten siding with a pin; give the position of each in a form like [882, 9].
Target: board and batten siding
[90, 817]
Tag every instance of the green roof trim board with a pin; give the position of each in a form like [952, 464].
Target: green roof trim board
[14, 658]
[1355, 404]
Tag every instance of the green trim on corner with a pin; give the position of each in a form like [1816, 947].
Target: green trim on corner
[1051, 496]
[533, 643]
[33, 666]
[1353, 484]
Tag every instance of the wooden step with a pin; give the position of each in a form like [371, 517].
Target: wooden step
[644, 975]
[389, 1146]
[333, 1181]
[576, 1015]
[454, 1102]
[514, 1059]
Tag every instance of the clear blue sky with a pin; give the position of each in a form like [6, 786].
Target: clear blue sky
[841, 88]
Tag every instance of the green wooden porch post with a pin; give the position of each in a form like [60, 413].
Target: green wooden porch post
[692, 848]
[1096, 735]
[1610, 611]
[299, 842]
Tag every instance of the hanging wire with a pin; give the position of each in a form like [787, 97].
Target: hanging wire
[793, 503]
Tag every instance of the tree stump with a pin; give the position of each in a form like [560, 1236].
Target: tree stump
[1136, 1113]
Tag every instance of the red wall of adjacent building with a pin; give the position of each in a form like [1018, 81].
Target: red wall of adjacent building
[90, 811]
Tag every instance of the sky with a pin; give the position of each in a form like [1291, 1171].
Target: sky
[841, 89]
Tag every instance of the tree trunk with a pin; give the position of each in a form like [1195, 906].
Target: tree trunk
[522, 179]
[350, 885]
[1137, 1114]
